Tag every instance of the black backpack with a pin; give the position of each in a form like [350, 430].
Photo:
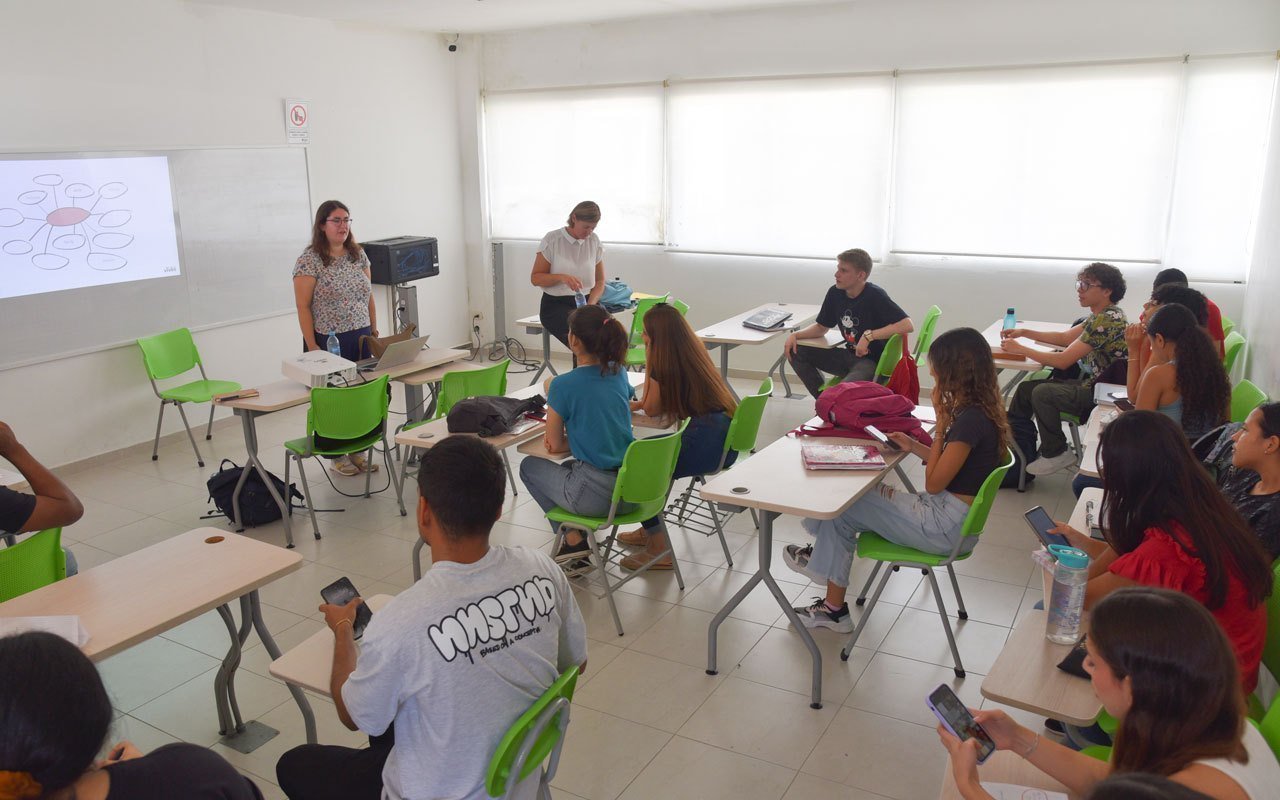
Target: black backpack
[256, 504]
[491, 416]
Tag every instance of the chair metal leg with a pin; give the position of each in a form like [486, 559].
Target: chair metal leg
[183, 414]
[866, 615]
[368, 472]
[724, 545]
[306, 492]
[155, 445]
[417, 559]
[208, 431]
[404, 470]
[946, 623]
[862, 595]
[386, 457]
[511, 476]
[598, 561]
[675, 562]
[960, 611]
[684, 501]
[1075, 441]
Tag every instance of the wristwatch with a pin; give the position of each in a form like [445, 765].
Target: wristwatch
[867, 333]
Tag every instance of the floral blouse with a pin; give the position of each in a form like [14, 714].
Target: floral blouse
[341, 299]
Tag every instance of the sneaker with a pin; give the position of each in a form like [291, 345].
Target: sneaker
[797, 558]
[571, 552]
[343, 466]
[573, 569]
[362, 464]
[636, 538]
[817, 615]
[1051, 464]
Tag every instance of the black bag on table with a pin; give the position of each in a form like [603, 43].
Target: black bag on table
[257, 507]
[491, 416]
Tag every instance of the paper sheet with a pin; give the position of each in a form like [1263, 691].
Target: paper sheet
[68, 627]
[1010, 791]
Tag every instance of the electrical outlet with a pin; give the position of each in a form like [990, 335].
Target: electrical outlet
[477, 316]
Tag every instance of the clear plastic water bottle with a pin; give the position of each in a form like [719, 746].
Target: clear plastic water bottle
[1010, 319]
[1066, 599]
[580, 299]
[332, 344]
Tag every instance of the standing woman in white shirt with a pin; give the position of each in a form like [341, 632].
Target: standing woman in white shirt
[570, 261]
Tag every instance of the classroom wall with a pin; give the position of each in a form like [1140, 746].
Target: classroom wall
[140, 74]
[1261, 325]
[869, 35]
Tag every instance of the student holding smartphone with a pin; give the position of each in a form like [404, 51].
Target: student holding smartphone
[1180, 706]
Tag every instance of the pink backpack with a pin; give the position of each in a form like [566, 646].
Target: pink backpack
[847, 408]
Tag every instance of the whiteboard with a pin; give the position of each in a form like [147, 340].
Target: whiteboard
[243, 215]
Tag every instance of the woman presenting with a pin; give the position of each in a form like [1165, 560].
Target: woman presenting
[570, 261]
[331, 285]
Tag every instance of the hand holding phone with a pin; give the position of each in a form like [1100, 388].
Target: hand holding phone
[953, 715]
[1041, 524]
[878, 435]
[340, 593]
[1124, 404]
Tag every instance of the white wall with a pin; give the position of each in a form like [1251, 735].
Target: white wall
[870, 35]
[1261, 325]
[142, 74]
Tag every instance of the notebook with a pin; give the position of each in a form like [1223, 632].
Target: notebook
[840, 456]
[770, 319]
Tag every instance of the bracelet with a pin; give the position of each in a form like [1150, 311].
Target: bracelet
[1034, 744]
[339, 622]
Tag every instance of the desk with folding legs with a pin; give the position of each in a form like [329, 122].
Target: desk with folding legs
[731, 333]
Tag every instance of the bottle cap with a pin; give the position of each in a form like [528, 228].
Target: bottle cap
[1069, 556]
[1009, 310]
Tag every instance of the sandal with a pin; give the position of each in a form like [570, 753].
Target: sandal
[362, 464]
[645, 561]
[636, 538]
[343, 466]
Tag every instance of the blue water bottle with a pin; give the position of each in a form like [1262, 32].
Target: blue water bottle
[1010, 319]
[332, 345]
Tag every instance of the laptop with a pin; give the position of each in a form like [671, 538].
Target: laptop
[770, 319]
[396, 354]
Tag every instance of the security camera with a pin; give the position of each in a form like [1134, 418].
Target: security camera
[452, 40]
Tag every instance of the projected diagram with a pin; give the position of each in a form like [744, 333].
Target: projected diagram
[68, 222]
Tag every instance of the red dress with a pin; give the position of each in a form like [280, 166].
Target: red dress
[1163, 562]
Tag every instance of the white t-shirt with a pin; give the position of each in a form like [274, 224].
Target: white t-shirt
[570, 256]
[455, 659]
[1261, 776]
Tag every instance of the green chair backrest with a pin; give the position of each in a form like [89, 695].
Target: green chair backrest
[1227, 326]
[32, 563]
[1245, 397]
[504, 757]
[681, 306]
[889, 357]
[1269, 727]
[1233, 345]
[976, 520]
[637, 318]
[926, 333]
[1271, 645]
[461, 384]
[644, 478]
[347, 412]
[168, 354]
[745, 426]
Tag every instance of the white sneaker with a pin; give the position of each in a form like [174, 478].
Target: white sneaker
[1047, 466]
[797, 558]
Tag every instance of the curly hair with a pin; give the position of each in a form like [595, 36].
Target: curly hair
[1202, 382]
[961, 358]
[1107, 276]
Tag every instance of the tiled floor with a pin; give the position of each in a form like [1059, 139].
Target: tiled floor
[647, 720]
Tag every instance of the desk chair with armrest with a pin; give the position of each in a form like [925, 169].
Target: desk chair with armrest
[168, 355]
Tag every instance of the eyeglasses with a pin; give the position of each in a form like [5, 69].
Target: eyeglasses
[339, 220]
[1084, 286]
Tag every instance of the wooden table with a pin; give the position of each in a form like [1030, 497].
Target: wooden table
[1020, 367]
[282, 394]
[1002, 767]
[774, 481]
[132, 598]
[1025, 675]
[730, 333]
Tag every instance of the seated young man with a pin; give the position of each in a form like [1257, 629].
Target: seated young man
[454, 659]
[1094, 343]
[1213, 324]
[866, 318]
[50, 504]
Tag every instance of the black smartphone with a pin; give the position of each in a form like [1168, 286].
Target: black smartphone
[878, 435]
[341, 592]
[957, 719]
[1041, 523]
[1124, 404]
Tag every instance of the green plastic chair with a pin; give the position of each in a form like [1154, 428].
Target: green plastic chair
[348, 412]
[1245, 397]
[644, 481]
[889, 358]
[872, 545]
[1233, 345]
[635, 340]
[169, 355]
[1227, 326]
[1270, 657]
[34, 562]
[926, 333]
[704, 516]
[537, 737]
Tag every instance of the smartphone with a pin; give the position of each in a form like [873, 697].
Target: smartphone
[1124, 404]
[1041, 523]
[341, 592]
[957, 719]
[879, 436]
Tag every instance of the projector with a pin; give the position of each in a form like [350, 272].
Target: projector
[317, 367]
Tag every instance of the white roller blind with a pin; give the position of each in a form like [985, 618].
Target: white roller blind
[792, 167]
[1221, 154]
[546, 151]
[1072, 162]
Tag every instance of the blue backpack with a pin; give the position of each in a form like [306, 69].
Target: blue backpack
[616, 296]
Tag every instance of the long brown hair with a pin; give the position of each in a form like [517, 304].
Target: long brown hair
[1187, 700]
[1202, 382]
[688, 383]
[320, 242]
[601, 335]
[1152, 480]
[961, 358]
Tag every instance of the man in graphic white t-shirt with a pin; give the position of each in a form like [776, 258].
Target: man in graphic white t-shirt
[454, 659]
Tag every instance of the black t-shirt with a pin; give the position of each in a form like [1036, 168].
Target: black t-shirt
[1261, 510]
[870, 310]
[179, 770]
[975, 429]
[15, 509]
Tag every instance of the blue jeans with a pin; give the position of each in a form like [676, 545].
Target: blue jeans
[575, 486]
[1081, 482]
[928, 522]
[700, 449]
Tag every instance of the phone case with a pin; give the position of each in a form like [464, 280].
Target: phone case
[970, 727]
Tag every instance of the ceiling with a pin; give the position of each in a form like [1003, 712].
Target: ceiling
[485, 16]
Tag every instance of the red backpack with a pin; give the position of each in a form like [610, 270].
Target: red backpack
[905, 379]
[847, 408]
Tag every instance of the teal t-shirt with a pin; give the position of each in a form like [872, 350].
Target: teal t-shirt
[596, 413]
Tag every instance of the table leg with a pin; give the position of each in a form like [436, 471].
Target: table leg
[780, 367]
[546, 358]
[308, 716]
[229, 721]
[1017, 378]
[413, 402]
[252, 460]
[762, 574]
[725, 347]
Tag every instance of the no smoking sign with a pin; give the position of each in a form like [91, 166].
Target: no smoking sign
[297, 122]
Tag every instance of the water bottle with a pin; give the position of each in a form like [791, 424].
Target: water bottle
[1010, 319]
[580, 299]
[1066, 599]
[332, 344]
